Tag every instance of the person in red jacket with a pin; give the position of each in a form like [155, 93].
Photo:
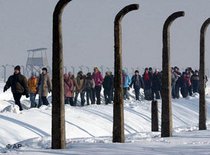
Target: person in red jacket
[98, 79]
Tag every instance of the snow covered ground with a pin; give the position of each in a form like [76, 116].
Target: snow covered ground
[89, 129]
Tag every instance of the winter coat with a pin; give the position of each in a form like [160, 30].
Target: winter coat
[184, 85]
[137, 82]
[147, 80]
[126, 80]
[45, 85]
[173, 79]
[68, 86]
[98, 78]
[89, 83]
[108, 83]
[80, 83]
[156, 82]
[188, 79]
[195, 82]
[32, 85]
[179, 79]
[18, 84]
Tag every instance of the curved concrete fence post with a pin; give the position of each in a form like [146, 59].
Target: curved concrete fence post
[58, 111]
[202, 101]
[118, 110]
[166, 119]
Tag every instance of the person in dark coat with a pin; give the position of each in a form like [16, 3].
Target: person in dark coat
[195, 82]
[147, 78]
[137, 83]
[89, 86]
[189, 83]
[177, 78]
[156, 85]
[19, 86]
[112, 87]
[184, 85]
[108, 87]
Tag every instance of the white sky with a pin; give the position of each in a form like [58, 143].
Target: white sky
[88, 31]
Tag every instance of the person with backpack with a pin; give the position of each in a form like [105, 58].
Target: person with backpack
[137, 83]
[19, 86]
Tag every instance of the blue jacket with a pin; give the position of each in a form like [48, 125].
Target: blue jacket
[126, 81]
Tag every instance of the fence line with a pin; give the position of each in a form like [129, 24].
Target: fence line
[7, 70]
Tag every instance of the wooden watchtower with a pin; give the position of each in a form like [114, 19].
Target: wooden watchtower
[37, 58]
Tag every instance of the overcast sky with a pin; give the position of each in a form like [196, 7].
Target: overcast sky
[88, 31]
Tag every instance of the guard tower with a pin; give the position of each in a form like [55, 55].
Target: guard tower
[37, 58]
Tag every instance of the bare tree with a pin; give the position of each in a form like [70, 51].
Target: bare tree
[58, 110]
[202, 102]
[166, 123]
[118, 110]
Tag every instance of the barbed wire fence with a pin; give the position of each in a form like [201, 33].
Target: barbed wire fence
[8, 69]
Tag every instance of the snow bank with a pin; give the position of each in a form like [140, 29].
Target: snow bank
[90, 128]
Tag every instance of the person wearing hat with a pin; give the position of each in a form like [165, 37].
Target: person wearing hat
[44, 87]
[19, 86]
[137, 83]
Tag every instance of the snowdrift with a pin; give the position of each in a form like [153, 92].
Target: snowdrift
[92, 125]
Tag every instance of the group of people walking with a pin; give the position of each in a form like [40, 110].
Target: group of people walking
[185, 83]
[150, 82]
[20, 86]
[88, 86]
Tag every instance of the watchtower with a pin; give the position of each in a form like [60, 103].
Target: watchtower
[37, 58]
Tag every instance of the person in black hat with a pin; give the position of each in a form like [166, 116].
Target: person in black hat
[19, 86]
[44, 69]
